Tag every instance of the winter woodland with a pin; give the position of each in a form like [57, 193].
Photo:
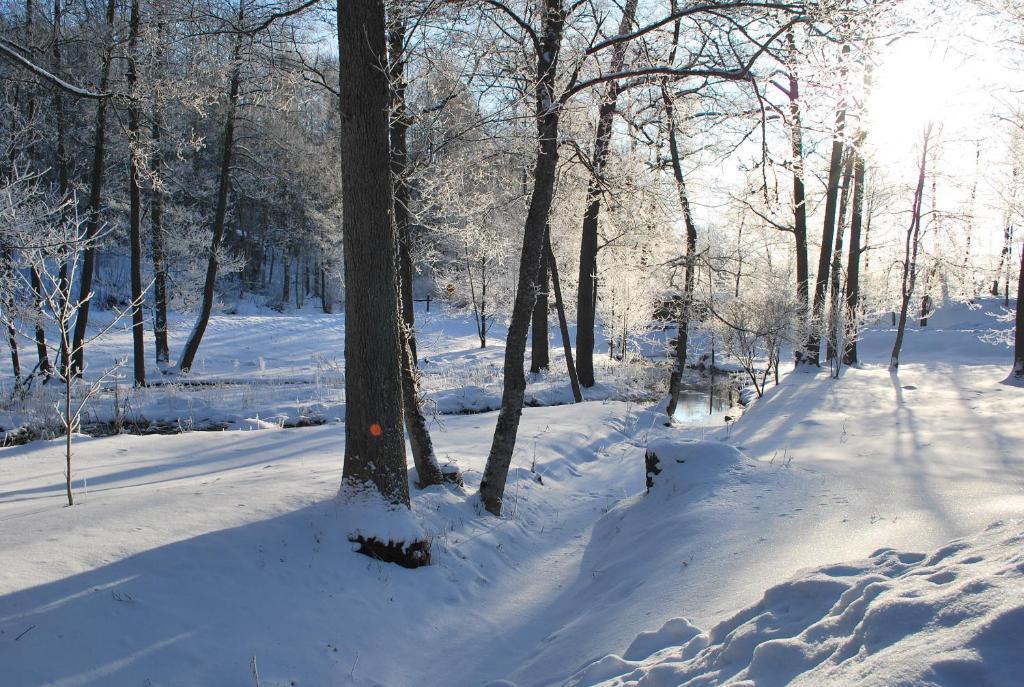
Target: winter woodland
[511, 342]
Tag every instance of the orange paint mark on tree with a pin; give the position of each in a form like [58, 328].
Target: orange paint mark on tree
[376, 430]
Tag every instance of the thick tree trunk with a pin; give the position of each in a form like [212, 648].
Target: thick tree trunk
[135, 206]
[586, 296]
[188, 354]
[374, 437]
[492, 485]
[92, 225]
[821, 284]
[540, 357]
[799, 200]
[910, 253]
[563, 324]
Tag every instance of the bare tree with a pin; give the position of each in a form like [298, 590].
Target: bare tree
[910, 251]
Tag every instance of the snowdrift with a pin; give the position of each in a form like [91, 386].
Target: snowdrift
[955, 617]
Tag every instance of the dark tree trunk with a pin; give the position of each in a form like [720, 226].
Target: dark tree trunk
[835, 316]
[188, 354]
[12, 333]
[135, 206]
[286, 274]
[799, 200]
[374, 437]
[1005, 256]
[423, 457]
[492, 485]
[563, 325]
[689, 277]
[427, 468]
[163, 350]
[910, 253]
[853, 263]
[540, 358]
[1018, 343]
[92, 225]
[821, 284]
[586, 296]
[399, 124]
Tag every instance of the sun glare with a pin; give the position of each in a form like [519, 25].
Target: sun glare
[919, 81]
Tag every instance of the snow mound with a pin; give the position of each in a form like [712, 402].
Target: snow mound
[681, 464]
[955, 617]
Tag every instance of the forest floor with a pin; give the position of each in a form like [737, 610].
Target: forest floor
[206, 558]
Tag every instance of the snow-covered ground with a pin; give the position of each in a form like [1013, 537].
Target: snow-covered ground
[194, 558]
[268, 368]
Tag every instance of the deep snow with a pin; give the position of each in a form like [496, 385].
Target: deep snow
[192, 554]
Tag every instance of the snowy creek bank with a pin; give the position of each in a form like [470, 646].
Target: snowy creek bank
[192, 555]
[954, 616]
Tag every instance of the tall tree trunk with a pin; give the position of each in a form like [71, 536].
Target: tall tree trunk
[563, 324]
[374, 437]
[821, 284]
[799, 200]
[92, 224]
[586, 297]
[689, 276]
[910, 252]
[1018, 342]
[835, 316]
[188, 354]
[7, 273]
[399, 128]
[135, 204]
[492, 485]
[427, 469]
[286, 276]
[853, 262]
[540, 358]
[163, 350]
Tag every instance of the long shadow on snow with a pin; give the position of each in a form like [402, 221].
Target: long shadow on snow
[287, 590]
[231, 459]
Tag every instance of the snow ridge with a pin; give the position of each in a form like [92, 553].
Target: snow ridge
[955, 617]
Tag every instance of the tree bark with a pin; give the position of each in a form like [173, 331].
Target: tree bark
[399, 128]
[563, 325]
[1018, 342]
[163, 350]
[188, 354]
[374, 437]
[821, 284]
[12, 333]
[540, 357]
[910, 253]
[92, 226]
[689, 277]
[492, 485]
[853, 263]
[835, 316]
[427, 468]
[135, 206]
[586, 297]
[799, 200]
